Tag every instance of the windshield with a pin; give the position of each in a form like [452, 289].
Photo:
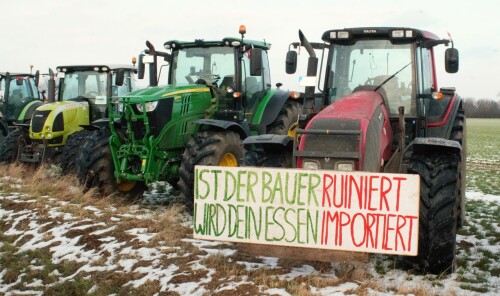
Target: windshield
[368, 64]
[22, 92]
[87, 84]
[211, 65]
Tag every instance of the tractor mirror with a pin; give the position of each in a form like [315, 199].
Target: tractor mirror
[291, 62]
[140, 67]
[37, 77]
[120, 77]
[255, 62]
[451, 60]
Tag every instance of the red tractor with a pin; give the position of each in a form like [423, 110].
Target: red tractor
[379, 109]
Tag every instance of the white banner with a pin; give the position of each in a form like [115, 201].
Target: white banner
[349, 211]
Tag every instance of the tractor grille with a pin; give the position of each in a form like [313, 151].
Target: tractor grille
[157, 119]
[38, 120]
[333, 142]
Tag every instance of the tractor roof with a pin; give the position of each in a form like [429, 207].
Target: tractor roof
[2, 74]
[73, 68]
[228, 41]
[395, 34]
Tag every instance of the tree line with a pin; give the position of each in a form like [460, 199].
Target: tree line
[482, 108]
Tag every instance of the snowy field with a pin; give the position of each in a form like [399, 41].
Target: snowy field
[54, 241]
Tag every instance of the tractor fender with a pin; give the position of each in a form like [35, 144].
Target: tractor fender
[97, 124]
[269, 139]
[432, 145]
[225, 125]
[273, 107]
[28, 111]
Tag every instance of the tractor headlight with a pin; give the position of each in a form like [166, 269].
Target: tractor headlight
[150, 106]
[344, 166]
[310, 165]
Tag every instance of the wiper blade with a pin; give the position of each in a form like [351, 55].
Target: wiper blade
[392, 76]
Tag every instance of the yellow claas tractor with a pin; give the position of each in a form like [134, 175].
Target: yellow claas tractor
[57, 128]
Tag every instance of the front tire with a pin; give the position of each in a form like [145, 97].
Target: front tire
[71, 150]
[95, 168]
[9, 148]
[217, 148]
[438, 210]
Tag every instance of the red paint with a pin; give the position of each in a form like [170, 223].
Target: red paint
[446, 115]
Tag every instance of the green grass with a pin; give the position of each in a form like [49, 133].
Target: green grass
[483, 158]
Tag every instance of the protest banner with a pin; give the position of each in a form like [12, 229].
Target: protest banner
[335, 210]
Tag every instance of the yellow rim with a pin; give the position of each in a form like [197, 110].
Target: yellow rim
[126, 186]
[291, 129]
[228, 160]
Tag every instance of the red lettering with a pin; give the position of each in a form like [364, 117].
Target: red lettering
[327, 179]
[398, 190]
[383, 192]
[365, 229]
[399, 236]
[410, 232]
[372, 189]
[386, 232]
[342, 224]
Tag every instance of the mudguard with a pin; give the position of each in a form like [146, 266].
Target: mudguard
[432, 145]
[225, 125]
[273, 109]
[283, 140]
[28, 111]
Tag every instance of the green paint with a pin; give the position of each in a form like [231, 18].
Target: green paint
[216, 185]
[266, 186]
[292, 225]
[228, 175]
[250, 184]
[199, 178]
[312, 187]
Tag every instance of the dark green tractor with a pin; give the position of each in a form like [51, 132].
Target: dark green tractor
[218, 93]
[19, 97]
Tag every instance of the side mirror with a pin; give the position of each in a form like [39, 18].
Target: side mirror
[140, 67]
[451, 60]
[291, 62]
[37, 78]
[120, 77]
[256, 62]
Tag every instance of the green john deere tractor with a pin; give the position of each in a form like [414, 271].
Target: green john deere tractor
[57, 128]
[219, 93]
[19, 97]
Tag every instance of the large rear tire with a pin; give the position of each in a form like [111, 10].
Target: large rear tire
[285, 122]
[438, 210]
[459, 134]
[71, 151]
[9, 148]
[217, 148]
[94, 167]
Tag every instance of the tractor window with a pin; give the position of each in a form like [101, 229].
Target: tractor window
[85, 84]
[370, 63]
[23, 91]
[210, 65]
[425, 73]
[128, 85]
[252, 86]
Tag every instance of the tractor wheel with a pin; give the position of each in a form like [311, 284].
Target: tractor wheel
[71, 150]
[279, 156]
[286, 121]
[438, 210]
[459, 134]
[220, 148]
[9, 148]
[94, 167]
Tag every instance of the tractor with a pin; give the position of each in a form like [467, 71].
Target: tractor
[380, 110]
[19, 97]
[218, 93]
[56, 129]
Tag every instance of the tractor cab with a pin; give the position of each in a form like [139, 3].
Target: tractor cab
[16, 91]
[398, 64]
[94, 84]
[235, 71]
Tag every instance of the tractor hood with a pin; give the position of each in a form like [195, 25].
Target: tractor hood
[158, 92]
[362, 113]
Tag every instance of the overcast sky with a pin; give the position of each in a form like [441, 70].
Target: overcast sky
[47, 33]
